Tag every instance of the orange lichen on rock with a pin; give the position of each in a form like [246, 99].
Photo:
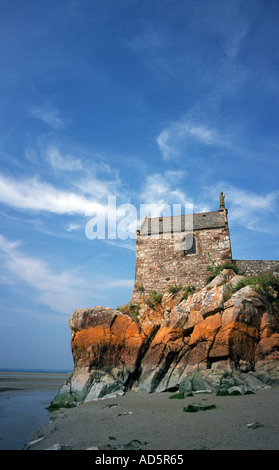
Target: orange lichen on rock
[213, 329]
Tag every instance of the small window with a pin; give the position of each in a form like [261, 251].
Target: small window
[189, 244]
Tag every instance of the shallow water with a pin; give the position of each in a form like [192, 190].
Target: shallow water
[23, 401]
[21, 414]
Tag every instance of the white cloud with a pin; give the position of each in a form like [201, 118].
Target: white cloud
[125, 244]
[118, 283]
[248, 209]
[97, 188]
[164, 141]
[34, 195]
[49, 115]
[62, 162]
[73, 227]
[85, 172]
[206, 136]
[252, 210]
[174, 139]
[62, 292]
[162, 189]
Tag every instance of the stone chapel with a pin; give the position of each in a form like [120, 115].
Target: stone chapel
[179, 249]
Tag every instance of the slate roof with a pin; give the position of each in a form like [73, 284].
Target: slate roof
[205, 220]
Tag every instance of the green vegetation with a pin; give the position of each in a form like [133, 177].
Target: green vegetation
[255, 425]
[222, 393]
[155, 297]
[178, 396]
[140, 288]
[130, 309]
[216, 268]
[135, 444]
[266, 282]
[188, 290]
[58, 406]
[194, 407]
[174, 289]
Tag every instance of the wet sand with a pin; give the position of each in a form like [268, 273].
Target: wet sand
[155, 422]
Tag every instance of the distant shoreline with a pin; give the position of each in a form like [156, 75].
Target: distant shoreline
[12, 380]
[36, 371]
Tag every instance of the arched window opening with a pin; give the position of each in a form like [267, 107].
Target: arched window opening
[189, 244]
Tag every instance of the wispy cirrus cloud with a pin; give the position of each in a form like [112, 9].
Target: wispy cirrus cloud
[59, 291]
[149, 44]
[49, 115]
[87, 172]
[96, 201]
[118, 283]
[35, 195]
[159, 190]
[254, 211]
[248, 209]
[73, 227]
[58, 161]
[177, 138]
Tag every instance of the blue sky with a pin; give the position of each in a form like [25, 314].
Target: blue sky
[168, 101]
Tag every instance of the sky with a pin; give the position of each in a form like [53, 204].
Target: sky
[109, 105]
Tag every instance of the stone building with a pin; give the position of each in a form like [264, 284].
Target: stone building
[179, 249]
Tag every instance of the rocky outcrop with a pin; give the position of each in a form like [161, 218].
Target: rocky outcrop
[215, 339]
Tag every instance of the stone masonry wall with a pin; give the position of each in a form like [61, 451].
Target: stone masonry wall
[254, 267]
[161, 262]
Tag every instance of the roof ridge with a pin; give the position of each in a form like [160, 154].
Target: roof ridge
[183, 215]
[177, 223]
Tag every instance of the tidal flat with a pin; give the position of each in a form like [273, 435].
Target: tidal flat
[155, 422]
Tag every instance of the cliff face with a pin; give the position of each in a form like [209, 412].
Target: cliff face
[215, 339]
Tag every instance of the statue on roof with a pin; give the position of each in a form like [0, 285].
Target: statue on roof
[222, 201]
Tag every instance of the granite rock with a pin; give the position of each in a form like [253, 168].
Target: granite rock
[215, 339]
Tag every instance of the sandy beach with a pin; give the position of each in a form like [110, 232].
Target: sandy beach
[156, 422]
